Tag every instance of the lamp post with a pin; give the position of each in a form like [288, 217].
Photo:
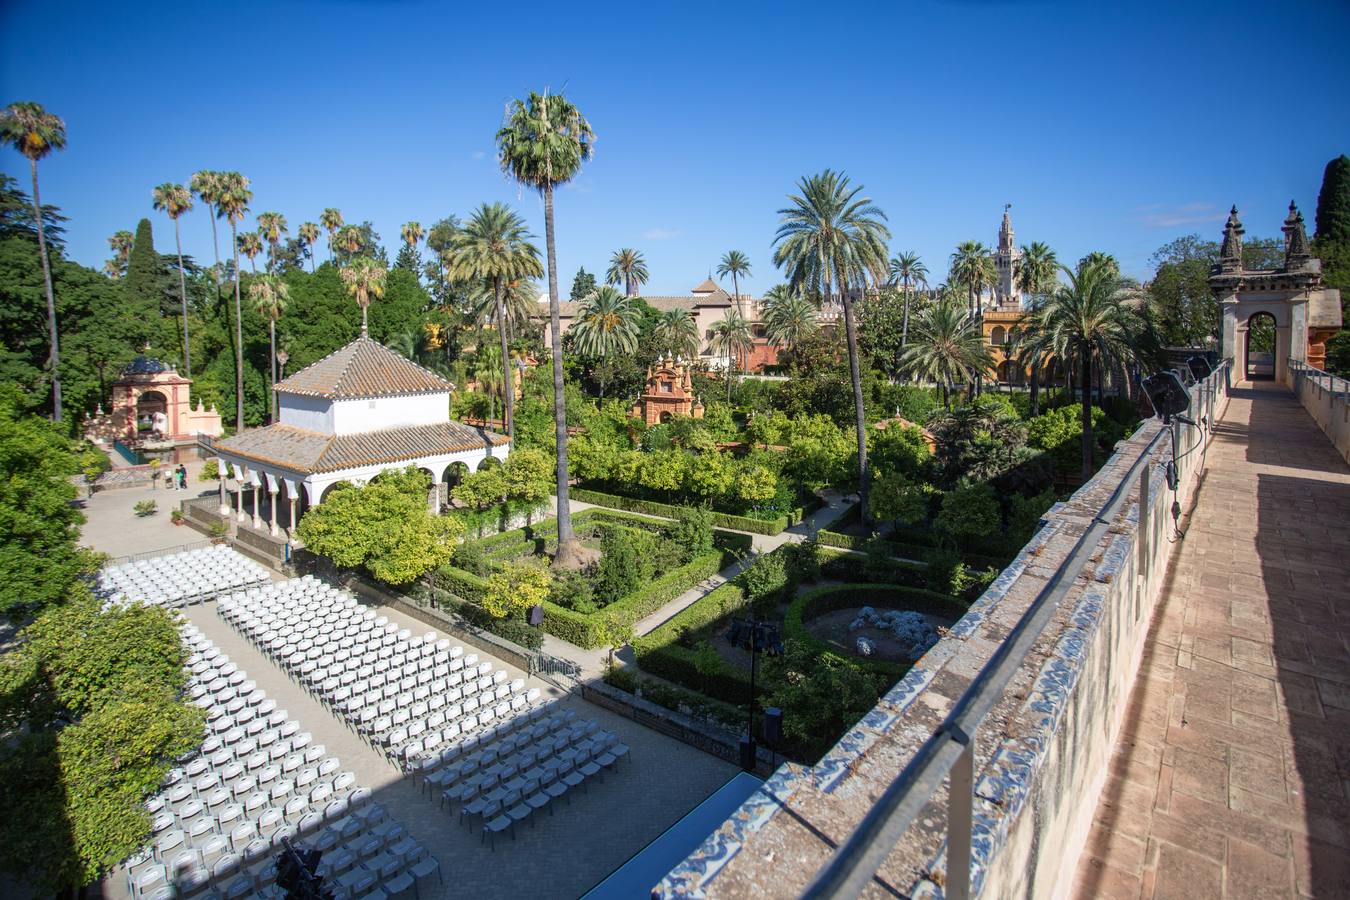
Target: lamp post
[758, 636]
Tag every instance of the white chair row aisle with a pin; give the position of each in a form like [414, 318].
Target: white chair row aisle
[221, 816]
[407, 695]
[179, 579]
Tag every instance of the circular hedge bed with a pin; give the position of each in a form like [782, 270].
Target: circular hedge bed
[813, 604]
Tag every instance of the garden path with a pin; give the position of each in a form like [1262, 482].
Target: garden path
[592, 662]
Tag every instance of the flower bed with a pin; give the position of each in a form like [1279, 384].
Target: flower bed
[582, 628]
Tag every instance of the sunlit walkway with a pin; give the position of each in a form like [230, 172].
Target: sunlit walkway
[1232, 774]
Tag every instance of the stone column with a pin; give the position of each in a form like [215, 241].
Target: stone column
[290, 532]
[239, 502]
[273, 495]
[257, 519]
[224, 471]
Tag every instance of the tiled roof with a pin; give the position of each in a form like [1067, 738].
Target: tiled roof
[569, 309]
[707, 287]
[363, 368]
[310, 452]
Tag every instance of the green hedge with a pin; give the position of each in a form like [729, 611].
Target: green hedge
[918, 552]
[811, 604]
[517, 631]
[848, 566]
[660, 653]
[719, 519]
[579, 628]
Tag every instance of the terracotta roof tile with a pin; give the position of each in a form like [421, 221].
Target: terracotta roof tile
[363, 368]
[310, 452]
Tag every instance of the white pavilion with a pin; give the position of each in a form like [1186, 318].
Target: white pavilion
[357, 412]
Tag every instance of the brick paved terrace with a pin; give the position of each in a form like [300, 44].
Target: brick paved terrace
[1231, 777]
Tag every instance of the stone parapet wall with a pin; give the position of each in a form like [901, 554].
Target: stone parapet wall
[1041, 756]
[1327, 399]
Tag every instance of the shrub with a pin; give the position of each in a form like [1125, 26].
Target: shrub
[969, 511]
[719, 519]
[622, 567]
[145, 508]
[218, 529]
[766, 580]
[515, 588]
[876, 558]
[693, 531]
[803, 560]
[210, 471]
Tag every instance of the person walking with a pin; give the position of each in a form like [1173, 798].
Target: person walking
[182, 477]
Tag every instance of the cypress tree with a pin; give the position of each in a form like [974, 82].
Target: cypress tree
[1333, 202]
[583, 285]
[144, 284]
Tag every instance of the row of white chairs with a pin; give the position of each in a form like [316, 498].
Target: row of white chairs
[257, 780]
[179, 579]
[407, 695]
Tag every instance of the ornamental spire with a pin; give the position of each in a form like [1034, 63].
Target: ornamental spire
[1230, 254]
[1296, 250]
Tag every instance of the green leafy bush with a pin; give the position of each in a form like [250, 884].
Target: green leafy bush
[145, 508]
[693, 531]
[766, 581]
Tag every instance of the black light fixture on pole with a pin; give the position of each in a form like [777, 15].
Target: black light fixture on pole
[756, 636]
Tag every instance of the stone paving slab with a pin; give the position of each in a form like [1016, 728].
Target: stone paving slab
[1231, 777]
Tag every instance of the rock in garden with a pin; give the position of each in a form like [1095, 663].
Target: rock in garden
[864, 646]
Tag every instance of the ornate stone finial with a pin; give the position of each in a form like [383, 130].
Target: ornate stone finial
[1230, 254]
[1296, 250]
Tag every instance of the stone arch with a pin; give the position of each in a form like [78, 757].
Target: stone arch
[666, 416]
[329, 489]
[997, 336]
[455, 472]
[1260, 345]
[147, 405]
[489, 462]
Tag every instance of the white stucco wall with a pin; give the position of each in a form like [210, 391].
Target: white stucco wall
[310, 413]
[358, 416]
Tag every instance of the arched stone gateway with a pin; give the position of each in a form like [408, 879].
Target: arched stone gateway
[1292, 312]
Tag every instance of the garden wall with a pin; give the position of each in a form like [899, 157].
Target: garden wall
[1041, 756]
[1327, 399]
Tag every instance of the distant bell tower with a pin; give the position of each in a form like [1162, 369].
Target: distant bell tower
[1005, 261]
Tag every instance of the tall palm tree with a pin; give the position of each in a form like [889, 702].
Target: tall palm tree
[627, 267]
[973, 269]
[271, 228]
[828, 233]
[250, 244]
[1095, 319]
[112, 268]
[789, 317]
[606, 322]
[948, 347]
[494, 246]
[331, 220]
[364, 279]
[732, 338]
[121, 243]
[734, 263]
[1036, 277]
[541, 144]
[676, 333]
[34, 132]
[174, 200]
[489, 370]
[348, 239]
[206, 184]
[412, 233]
[909, 271]
[232, 198]
[269, 295]
[308, 234]
[1098, 258]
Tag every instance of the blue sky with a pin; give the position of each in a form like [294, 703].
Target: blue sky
[1109, 127]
